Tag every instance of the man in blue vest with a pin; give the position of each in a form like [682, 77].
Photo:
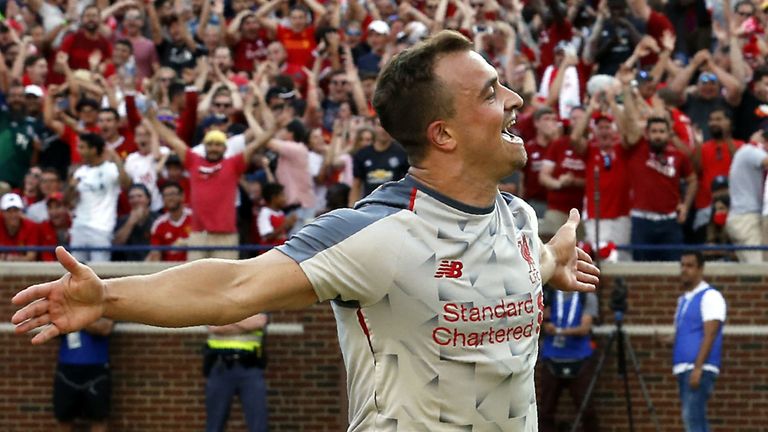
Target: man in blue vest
[567, 355]
[698, 341]
[82, 387]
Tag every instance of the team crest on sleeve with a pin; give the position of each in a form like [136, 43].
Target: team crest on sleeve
[525, 250]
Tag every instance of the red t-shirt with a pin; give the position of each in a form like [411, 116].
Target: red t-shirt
[27, 235]
[655, 27]
[613, 181]
[299, 45]
[165, 232]
[47, 237]
[566, 160]
[79, 47]
[533, 190]
[213, 187]
[246, 51]
[655, 179]
[715, 161]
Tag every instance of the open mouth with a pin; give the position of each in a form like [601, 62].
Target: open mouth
[507, 134]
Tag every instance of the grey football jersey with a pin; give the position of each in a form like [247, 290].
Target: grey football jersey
[438, 308]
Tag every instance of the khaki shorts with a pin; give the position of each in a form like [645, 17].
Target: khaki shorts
[745, 230]
[202, 238]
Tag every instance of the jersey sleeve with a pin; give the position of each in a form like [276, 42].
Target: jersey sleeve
[713, 306]
[348, 254]
[263, 223]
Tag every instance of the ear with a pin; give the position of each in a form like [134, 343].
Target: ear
[440, 136]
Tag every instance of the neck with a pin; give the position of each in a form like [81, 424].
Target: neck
[464, 185]
[176, 213]
[381, 145]
[542, 139]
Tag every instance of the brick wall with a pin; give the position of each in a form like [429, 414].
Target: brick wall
[158, 386]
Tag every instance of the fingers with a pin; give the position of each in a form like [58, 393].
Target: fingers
[32, 324]
[70, 263]
[32, 310]
[587, 273]
[33, 293]
[47, 334]
[583, 256]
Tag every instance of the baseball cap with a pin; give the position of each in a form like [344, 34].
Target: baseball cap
[33, 90]
[707, 77]
[213, 119]
[56, 196]
[11, 200]
[719, 182]
[599, 115]
[279, 92]
[215, 136]
[379, 26]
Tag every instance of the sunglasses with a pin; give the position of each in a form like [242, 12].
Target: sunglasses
[338, 82]
[222, 105]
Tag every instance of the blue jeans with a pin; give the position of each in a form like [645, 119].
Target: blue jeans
[222, 386]
[650, 232]
[694, 401]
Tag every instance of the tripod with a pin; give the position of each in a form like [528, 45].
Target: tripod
[624, 347]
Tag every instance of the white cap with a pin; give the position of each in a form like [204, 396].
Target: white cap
[34, 90]
[11, 200]
[379, 27]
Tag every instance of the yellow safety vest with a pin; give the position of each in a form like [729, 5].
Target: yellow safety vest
[251, 342]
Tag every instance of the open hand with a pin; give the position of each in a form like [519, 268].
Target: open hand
[63, 306]
[574, 270]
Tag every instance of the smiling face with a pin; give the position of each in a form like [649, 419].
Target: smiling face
[484, 110]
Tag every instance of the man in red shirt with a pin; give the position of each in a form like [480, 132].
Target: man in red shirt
[656, 168]
[606, 178]
[54, 231]
[563, 175]
[547, 129]
[299, 38]
[213, 182]
[15, 229]
[173, 227]
[248, 40]
[711, 160]
[120, 139]
[86, 40]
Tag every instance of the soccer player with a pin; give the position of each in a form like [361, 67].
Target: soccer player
[435, 280]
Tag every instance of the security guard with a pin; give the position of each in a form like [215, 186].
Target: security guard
[234, 364]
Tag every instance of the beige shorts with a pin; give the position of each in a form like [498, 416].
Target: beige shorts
[202, 238]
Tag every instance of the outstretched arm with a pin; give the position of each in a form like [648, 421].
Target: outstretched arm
[176, 297]
[564, 265]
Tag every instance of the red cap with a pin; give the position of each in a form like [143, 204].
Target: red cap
[56, 196]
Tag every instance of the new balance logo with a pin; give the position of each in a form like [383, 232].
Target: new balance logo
[449, 269]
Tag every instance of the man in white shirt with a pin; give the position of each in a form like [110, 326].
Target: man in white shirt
[698, 346]
[93, 189]
[142, 165]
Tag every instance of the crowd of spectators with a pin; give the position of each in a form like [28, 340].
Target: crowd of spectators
[231, 122]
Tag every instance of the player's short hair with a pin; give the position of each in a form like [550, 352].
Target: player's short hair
[409, 95]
